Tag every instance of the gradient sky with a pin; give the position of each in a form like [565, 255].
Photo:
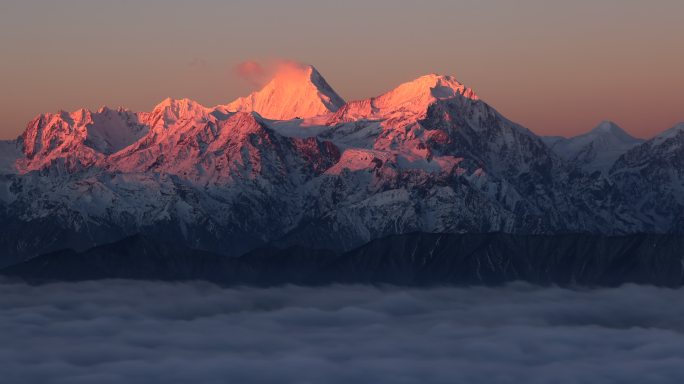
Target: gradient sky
[557, 67]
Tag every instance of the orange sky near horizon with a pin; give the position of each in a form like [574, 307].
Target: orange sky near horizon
[558, 68]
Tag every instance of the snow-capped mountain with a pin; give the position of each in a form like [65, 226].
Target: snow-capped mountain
[596, 150]
[293, 164]
[408, 100]
[77, 140]
[296, 91]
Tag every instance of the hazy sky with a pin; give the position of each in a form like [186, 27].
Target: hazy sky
[557, 67]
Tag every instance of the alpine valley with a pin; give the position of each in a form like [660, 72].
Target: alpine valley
[294, 166]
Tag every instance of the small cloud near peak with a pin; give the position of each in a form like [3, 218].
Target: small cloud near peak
[252, 72]
[258, 73]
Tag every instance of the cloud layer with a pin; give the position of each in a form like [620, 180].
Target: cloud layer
[143, 332]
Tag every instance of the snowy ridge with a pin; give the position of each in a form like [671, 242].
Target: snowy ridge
[410, 98]
[596, 150]
[293, 164]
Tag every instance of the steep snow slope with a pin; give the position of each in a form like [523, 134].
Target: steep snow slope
[596, 150]
[295, 92]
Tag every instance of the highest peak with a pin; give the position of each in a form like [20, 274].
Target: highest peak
[291, 77]
[292, 71]
[296, 90]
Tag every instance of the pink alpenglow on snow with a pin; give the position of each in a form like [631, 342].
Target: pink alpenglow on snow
[427, 156]
[185, 138]
[410, 98]
[296, 91]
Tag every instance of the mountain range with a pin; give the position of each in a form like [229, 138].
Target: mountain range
[294, 165]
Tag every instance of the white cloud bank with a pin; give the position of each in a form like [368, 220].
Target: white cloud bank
[144, 332]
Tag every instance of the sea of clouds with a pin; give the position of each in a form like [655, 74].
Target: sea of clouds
[150, 332]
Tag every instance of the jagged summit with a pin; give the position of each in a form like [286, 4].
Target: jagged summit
[172, 110]
[416, 95]
[179, 107]
[171, 102]
[296, 91]
[107, 109]
[411, 98]
[63, 134]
